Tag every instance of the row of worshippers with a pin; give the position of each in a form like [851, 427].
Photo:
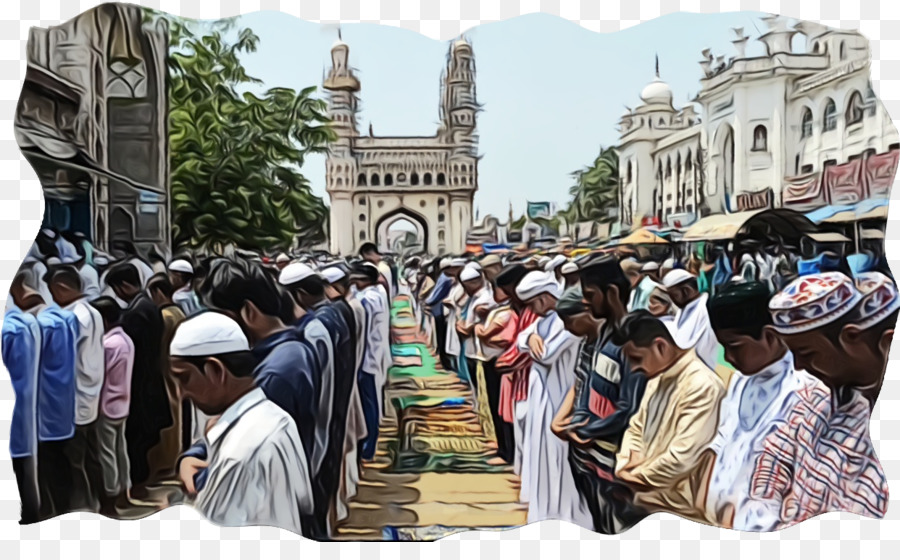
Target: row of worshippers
[83, 332]
[614, 394]
[102, 415]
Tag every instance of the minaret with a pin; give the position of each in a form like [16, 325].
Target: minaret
[458, 101]
[342, 87]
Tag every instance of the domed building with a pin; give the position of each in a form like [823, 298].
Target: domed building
[785, 129]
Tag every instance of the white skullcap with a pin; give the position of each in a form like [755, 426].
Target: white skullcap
[459, 261]
[445, 263]
[208, 334]
[536, 283]
[53, 261]
[542, 261]
[282, 258]
[569, 268]
[650, 266]
[668, 263]
[101, 260]
[294, 273]
[181, 265]
[469, 272]
[555, 263]
[333, 273]
[67, 252]
[677, 276]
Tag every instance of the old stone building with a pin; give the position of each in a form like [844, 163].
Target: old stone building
[91, 121]
[786, 129]
[375, 181]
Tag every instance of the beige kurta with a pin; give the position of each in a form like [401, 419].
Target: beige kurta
[674, 425]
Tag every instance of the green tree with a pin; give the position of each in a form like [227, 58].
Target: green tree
[595, 194]
[235, 155]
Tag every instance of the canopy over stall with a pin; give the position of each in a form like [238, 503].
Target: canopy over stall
[718, 227]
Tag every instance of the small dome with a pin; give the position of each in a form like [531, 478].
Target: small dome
[460, 43]
[657, 92]
[339, 44]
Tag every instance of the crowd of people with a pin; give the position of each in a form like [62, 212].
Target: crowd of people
[622, 385]
[617, 386]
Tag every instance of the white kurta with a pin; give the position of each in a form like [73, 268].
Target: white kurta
[547, 482]
[694, 331]
[751, 409]
[377, 355]
[455, 300]
[89, 361]
[258, 473]
[319, 340]
[356, 424]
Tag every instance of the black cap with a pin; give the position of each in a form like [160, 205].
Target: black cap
[511, 275]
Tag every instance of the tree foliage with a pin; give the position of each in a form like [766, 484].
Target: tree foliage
[235, 155]
[595, 194]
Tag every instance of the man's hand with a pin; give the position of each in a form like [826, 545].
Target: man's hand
[536, 345]
[726, 517]
[630, 479]
[571, 429]
[188, 469]
[482, 311]
[461, 328]
[560, 428]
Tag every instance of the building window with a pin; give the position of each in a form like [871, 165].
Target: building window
[427, 179]
[628, 173]
[361, 180]
[362, 217]
[806, 128]
[441, 236]
[388, 180]
[871, 100]
[375, 180]
[843, 51]
[830, 116]
[441, 179]
[381, 204]
[441, 202]
[854, 112]
[669, 196]
[760, 139]
[414, 179]
[339, 182]
[362, 201]
[422, 203]
[668, 168]
[362, 236]
[441, 217]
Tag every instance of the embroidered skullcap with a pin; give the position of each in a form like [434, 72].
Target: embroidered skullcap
[536, 283]
[469, 272]
[879, 299]
[571, 302]
[295, 272]
[813, 301]
[555, 263]
[208, 334]
[569, 268]
[181, 265]
[677, 276]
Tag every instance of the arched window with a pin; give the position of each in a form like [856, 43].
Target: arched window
[843, 51]
[628, 173]
[441, 236]
[662, 122]
[816, 48]
[854, 113]
[362, 201]
[760, 139]
[830, 116]
[871, 100]
[362, 236]
[362, 217]
[728, 153]
[414, 179]
[806, 125]
[388, 180]
[441, 202]
[668, 168]
[441, 217]
[441, 179]
[455, 168]
[361, 180]
[375, 180]
[688, 162]
[427, 178]
[339, 182]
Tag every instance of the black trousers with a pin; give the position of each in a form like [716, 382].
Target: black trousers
[83, 452]
[472, 364]
[54, 477]
[506, 442]
[440, 331]
[26, 472]
[611, 503]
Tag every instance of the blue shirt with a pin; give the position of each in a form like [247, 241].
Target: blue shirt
[56, 378]
[21, 354]
[438, 294]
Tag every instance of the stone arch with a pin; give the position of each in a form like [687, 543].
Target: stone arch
[361, 180]
[427, 179]
[376, 181]
[441, 179]
[384, 222]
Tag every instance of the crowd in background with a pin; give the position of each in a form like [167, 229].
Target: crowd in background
[733, 387]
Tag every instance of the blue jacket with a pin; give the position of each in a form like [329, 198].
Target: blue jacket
[438, 294]
[22, 354]
[56, 380]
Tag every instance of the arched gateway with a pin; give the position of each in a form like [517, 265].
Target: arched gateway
[374, 181]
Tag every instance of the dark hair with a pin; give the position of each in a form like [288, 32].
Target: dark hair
[109, 309]
[742, 307]
[66, 275]
[161, 282]
[313, 285]
[640, 328]
[122, 273]
[231, 282]
[604, 272]
[240, 364]
[511, 275]
[368, 247]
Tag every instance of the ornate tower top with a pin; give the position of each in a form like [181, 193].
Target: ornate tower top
[341, 77]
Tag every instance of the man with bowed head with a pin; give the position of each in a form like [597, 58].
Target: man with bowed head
[257, 473]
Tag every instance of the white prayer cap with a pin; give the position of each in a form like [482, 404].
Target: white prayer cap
[677, 276]
[67, 252]
[49, 233]
[208, 334]
[295, 272]
[459, 261]
[650, 266]
[569, 268]
[181, 265]
[53, 261]
[542, 261]
[469, 272]
[282, 258]
[555, 263]
[445, 263]
[668, 263]
[332, 274]
[536, 283]
[100, 260]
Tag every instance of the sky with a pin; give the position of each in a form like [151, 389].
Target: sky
[551, 91]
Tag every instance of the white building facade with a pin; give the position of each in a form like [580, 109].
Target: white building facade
[789, 129]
